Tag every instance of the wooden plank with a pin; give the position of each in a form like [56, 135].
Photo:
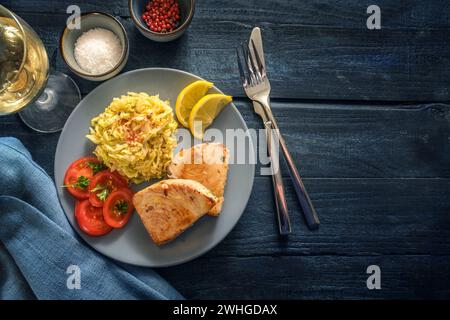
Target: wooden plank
[319, 277]
[355, 141]
[324, 60]
[358, 217]
[331, 140]
[116, 7]
[337, 13]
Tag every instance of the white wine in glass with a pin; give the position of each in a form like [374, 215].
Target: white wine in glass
[45, 99]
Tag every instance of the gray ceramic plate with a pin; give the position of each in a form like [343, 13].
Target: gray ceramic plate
[132, 244]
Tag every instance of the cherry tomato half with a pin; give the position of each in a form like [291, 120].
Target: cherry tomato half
[118, 208]
[90, 219]
[101, 186]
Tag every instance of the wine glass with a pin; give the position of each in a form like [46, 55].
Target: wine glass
[26, 79]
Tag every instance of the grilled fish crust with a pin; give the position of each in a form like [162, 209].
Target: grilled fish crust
[169, 207]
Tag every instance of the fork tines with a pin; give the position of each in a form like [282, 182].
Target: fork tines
[252, 71]
[242, 72]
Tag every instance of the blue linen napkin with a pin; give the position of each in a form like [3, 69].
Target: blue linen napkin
[37, 244]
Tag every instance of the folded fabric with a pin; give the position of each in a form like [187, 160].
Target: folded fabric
[38, 246]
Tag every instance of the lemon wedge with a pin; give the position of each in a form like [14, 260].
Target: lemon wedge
[205, 111]
[188, 97]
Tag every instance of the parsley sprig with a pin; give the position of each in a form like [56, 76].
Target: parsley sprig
[96, 167]
[102, 191]
[121, 206]
[82, 183]
[103, 194]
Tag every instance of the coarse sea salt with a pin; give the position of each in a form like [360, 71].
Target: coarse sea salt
[98, 51]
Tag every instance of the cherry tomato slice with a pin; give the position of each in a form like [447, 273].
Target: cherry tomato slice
[90, 219]
[78, 176]
[118, 208]
[77, 181]
[102, 185]
[83, 162]
[121, 178]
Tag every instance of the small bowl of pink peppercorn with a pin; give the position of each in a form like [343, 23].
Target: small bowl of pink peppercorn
[162, 20]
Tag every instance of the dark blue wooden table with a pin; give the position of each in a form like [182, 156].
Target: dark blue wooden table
[364, 113]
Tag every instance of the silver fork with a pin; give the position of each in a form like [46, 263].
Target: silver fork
[257, 87]
[284, 223]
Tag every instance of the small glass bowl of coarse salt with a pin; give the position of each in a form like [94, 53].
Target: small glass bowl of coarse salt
[98, 49]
